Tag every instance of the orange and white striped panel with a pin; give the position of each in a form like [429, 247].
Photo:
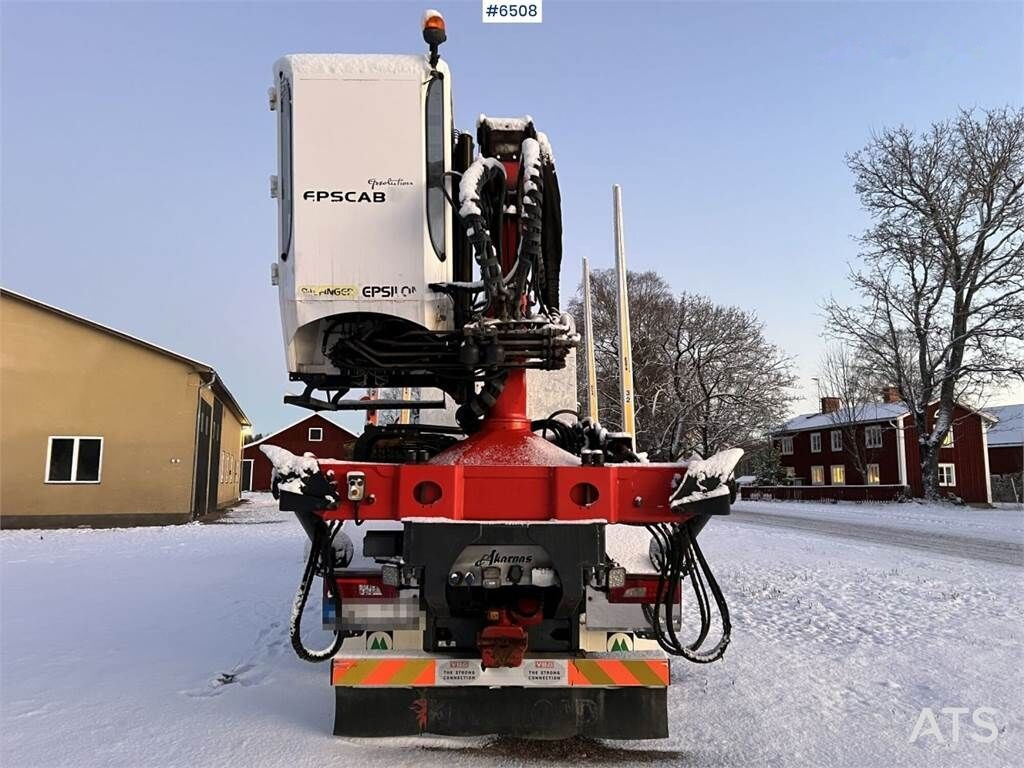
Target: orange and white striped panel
[420, 672]
[619, 673]
[373, 673]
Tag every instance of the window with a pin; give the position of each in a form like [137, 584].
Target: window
[873, 437]
[837, 440]
[786, 446]
[838, 474]
[435, 164]
[874, 475]
[316, 434]
[816, 442]
[817, 475]
[790, 472]
[74, 459]
[947, 441]
[947, 474]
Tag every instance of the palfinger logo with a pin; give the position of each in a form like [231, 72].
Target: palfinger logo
[329, 291]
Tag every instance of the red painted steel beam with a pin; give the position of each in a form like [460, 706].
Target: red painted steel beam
[634, 494]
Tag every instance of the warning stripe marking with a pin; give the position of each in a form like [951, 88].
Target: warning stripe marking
[383, 672]
[618, 673]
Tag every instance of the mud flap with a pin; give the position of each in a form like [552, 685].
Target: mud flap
[536, 713]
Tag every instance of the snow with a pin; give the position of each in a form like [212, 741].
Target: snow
[545, 148]
[318, 65]
[862, 414]
[504, 123]
[1009, 429]
[716, 469]
[469, 195]
[429, 14]
[291, 469]
[118, 647]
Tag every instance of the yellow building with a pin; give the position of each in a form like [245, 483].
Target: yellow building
[100, 428]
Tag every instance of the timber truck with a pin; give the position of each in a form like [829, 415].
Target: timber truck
[519, 574]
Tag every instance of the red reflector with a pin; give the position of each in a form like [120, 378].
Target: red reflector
[363, 585]
[638, 589]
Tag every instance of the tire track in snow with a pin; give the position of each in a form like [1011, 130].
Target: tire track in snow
[972, 548]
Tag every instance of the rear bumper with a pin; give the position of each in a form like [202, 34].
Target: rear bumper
[538, 713]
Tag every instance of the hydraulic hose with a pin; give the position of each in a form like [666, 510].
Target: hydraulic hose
[681, 556]
[321, 553]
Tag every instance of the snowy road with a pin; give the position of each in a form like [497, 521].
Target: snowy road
[996, 548]
[113, 645]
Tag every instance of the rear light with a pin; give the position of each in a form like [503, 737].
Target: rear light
[364, 585]
[638, 589]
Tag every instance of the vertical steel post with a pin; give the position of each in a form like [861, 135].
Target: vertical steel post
[588, 333]
[625, 344]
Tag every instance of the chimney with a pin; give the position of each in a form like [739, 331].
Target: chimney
[829, 404]
[891, 395]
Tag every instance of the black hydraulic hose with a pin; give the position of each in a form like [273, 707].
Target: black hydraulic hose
[321, 551]
[683, 556]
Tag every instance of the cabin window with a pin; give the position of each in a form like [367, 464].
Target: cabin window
[435, 164]
[817, 475]
[947, 441]
[316, 434]
[947, 474]
[838, 474]
[816, 442]
[786, 446]
[74, 459]
[873, 437]
[837, 440]
[874, 475]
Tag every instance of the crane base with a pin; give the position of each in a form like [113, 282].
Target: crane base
[534, 713]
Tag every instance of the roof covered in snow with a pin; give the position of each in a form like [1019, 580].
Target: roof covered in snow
[860, 414]
[1009, 430]
[199, 366]
[343, 65]
[312, 419]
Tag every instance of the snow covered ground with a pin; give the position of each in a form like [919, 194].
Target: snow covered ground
[113, 646]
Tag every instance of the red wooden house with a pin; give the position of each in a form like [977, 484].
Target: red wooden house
[314, 434]
[870, 452]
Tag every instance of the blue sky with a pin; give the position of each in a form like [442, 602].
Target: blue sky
[136, 145]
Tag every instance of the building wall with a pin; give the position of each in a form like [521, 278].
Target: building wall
[1006, 459]
[337, 444]
[61, 377]
[229, 473]
[967, 454]
[803, 458]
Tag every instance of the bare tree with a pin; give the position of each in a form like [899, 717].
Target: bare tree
[730, 385]
[651, 305]
[842, 374]
[704, 375]
[942, 274]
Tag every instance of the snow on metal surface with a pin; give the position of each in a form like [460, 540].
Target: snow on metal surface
[349, 64]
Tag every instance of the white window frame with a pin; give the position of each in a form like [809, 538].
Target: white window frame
[820, 469]
[952, 475]
[815, 442]
[834, 436]
[832, 474]
[868, 432]
[74, 460]
[783, 443]
[790, 472]
[309, 435]
[877, 474]
[947, 441]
